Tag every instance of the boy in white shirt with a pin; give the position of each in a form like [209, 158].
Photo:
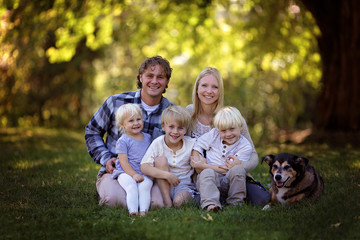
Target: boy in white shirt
[168, 157]
[222, 174]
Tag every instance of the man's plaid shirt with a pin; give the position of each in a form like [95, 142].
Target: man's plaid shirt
[103, 122]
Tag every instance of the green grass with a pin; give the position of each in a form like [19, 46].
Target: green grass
[48, 192]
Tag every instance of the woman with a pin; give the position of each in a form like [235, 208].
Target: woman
[208, 98]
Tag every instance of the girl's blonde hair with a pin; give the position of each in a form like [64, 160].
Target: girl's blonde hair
[177, 113]
[195, 98]
[127, 110]
[228, 117]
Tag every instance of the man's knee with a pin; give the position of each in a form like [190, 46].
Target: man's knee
[112, 201]
[110, 192]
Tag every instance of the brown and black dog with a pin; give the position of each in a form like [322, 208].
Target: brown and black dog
[293, 179]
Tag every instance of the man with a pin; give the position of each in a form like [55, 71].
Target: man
[152, 80]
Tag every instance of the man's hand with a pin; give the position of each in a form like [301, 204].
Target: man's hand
[110, 165]
[138, 178]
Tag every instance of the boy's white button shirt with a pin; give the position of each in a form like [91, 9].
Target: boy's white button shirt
[216, 150]
[179, 161]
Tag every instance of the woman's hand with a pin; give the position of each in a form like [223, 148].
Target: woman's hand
[138, 178]
[222, 169]
[110, 165]
[232, 161]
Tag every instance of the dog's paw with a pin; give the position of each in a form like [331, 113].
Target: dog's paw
[266, 207]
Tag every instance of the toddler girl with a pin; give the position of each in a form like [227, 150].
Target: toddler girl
[131, 147]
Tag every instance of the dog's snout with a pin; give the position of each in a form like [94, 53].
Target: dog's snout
[277, 177]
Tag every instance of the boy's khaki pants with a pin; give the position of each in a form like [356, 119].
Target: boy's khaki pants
[212, 185]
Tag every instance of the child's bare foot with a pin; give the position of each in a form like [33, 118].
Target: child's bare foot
[212, 208]
[142, 214]
[133, 214]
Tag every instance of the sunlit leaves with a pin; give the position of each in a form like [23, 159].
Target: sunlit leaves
[265, 50]
[93, 23]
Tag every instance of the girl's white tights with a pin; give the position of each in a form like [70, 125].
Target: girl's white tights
[137, 194]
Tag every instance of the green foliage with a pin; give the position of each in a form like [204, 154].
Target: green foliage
[48, 192]
[37, 90]
[63, 58]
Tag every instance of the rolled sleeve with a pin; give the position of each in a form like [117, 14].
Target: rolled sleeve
[155, 150]
[94, 133]
[203, 143]
[252, 163]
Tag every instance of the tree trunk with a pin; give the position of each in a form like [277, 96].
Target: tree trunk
[338, 106]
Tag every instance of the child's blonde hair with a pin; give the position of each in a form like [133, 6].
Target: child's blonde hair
[177, 113]
[126, 110]
[228, 117]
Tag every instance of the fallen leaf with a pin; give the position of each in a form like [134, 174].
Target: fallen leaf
[208, 217]
[336, 225]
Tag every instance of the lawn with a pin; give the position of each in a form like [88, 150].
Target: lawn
[48, 192]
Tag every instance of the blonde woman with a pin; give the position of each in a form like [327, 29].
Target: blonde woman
[208, 98]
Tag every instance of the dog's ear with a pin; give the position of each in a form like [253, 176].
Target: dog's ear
[268, 159]
[301, 161]
[305, 160]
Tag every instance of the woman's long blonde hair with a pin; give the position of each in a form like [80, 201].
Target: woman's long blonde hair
[195, 98]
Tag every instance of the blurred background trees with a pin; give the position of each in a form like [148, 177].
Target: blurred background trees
[339, 101]
[60, 59]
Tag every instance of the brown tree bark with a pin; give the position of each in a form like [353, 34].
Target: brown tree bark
[338, 106]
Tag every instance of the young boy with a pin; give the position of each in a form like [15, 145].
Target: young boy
[168, 157]
[222, 174]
